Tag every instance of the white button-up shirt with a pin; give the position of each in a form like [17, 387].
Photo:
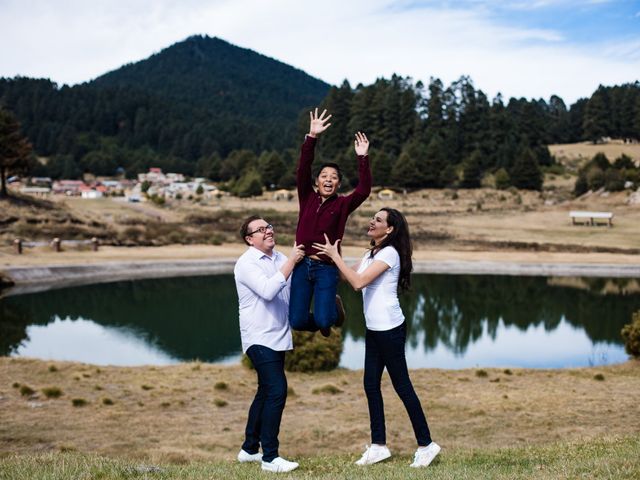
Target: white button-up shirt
[263, 297]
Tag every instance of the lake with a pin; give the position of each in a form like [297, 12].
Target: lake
[455, 321]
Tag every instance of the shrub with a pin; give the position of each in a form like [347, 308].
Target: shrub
[221, 386]
[314, 353]
[107, 401]
[26, 391]
[631, 335]
[146, 387]
[599, 377]
[502, 179]
[330, 389]
[218, 402]
[481, 373]
[613, 180]
[52, 392]
[79, 402]
[53, 368]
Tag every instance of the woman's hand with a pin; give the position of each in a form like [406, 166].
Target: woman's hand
[327, 249]
[317, 125]
[361, 144]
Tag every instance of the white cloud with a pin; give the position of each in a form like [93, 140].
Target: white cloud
[358, 40]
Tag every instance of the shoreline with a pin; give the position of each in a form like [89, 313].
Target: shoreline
[45, 270]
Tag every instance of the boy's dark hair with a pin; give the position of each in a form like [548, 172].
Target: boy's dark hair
[332, 165]
[244, 229]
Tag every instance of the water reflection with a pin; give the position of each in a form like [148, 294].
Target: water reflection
[454, 321]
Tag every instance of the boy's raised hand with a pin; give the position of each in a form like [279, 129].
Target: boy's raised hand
[317, 125]
[361, 144]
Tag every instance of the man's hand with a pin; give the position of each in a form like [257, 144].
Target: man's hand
[317, 125]
[297, 253]
[361, 144]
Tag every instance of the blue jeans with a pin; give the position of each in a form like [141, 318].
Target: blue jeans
[312, 278]
[265, 413]
[386, 349]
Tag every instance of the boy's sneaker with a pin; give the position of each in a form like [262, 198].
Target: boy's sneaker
[340, 308]
[244, 456]
[374, 454]
[425, 455]
[279, 465]
[326, 332]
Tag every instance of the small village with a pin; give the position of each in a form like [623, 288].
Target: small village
[153, 184]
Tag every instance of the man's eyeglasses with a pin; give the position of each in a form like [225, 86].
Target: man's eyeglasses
[261, 230]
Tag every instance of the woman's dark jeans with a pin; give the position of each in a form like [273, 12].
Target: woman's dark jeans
[386, 349]
[265, 413]
[318, 279]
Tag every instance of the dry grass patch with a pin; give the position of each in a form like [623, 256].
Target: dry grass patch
[516, 412]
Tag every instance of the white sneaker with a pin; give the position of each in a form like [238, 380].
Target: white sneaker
[374, 454]
[244, 456]
[425, 455]
[279, 465]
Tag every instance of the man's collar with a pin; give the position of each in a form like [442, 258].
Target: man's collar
[259, 253]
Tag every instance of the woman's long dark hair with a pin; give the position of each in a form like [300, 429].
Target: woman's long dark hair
[399, 239]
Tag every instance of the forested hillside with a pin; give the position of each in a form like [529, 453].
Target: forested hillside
[195, 98]
[205, 107]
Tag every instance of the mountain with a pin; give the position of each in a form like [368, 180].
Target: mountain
[218, 76]
[198, 97]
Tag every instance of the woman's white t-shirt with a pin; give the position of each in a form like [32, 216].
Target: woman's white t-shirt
[381, 306]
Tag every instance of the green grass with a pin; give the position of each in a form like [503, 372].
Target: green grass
[615, 458]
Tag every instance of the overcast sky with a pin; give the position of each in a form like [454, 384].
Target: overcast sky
[520, 48]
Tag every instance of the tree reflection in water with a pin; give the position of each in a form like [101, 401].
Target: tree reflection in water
[197, 317]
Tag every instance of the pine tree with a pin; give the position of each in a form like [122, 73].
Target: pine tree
[526, 173]
[597, 123]
[271, 168]
[471, 171]
[15, 150]
[434, 163]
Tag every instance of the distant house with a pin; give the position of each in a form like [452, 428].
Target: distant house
[282, 194]
[36, 191]
[90, 192]
[41, 181]
[386, 194]
[68, 187]
[154, 175]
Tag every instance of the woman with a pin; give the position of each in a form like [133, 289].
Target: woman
[385, 269]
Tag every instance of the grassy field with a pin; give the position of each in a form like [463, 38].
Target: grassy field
[191, 416]
[610, 457]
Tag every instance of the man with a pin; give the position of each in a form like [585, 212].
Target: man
[261, 275]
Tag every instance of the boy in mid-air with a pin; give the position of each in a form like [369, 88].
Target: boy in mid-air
[322, 211]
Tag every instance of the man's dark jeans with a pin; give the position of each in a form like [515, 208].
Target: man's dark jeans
[386, 349]
[265, 413]
[318, 279]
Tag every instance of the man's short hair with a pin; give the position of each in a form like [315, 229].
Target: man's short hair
[332, 165]
[244, 230]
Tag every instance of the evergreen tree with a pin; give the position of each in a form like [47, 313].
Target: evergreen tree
[271, 168]
[405, 172]
[434, 163]
[596, 123]
[526, 173]
[249, 184]
[502, 179]
[15, 150]
[471, 172]
[209, 166]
